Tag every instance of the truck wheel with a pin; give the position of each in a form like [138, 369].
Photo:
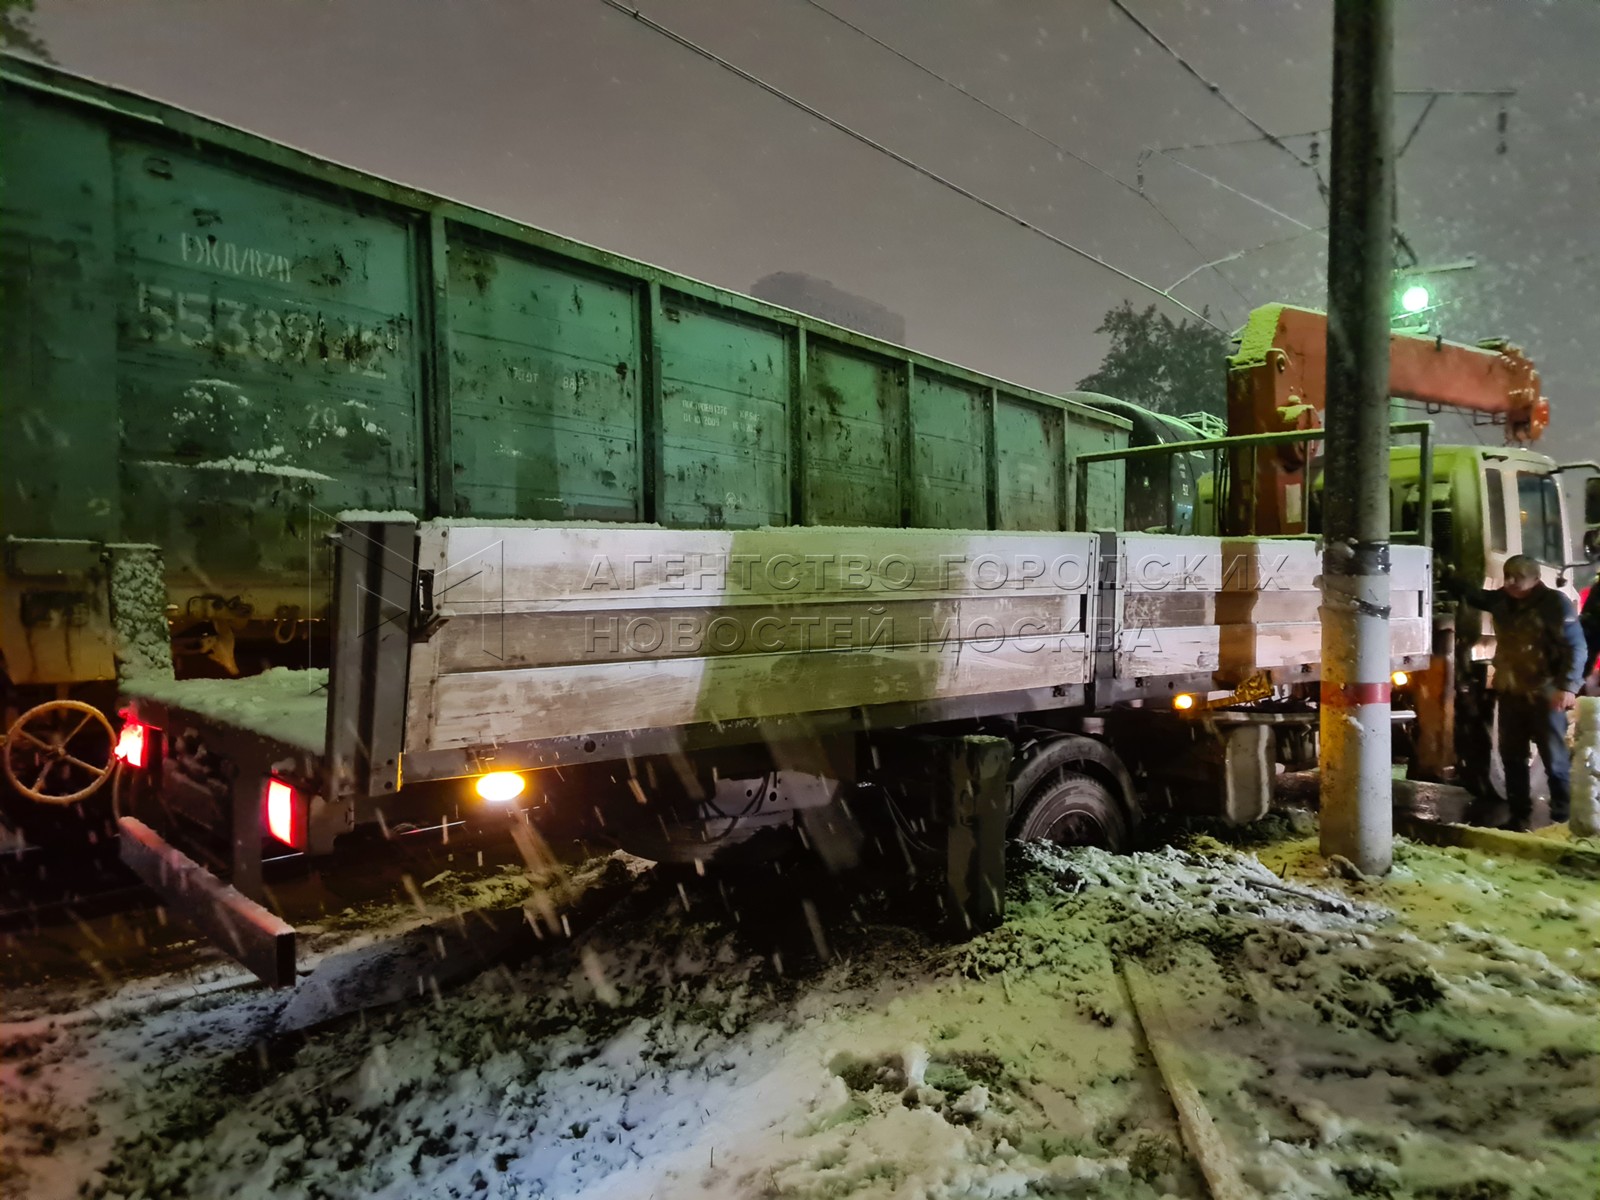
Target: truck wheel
[1074, 791]
[1074, 810]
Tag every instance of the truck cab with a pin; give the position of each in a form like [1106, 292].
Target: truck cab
[1487, 504]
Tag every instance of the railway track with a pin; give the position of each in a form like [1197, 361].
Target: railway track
[40, 886]
[85, 916]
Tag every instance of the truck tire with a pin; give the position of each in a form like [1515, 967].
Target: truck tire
[1075, 810]
[1073, 791]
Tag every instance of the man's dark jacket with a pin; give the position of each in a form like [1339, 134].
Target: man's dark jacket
[1539, 645]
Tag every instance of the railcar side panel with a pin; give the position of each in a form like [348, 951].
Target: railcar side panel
[725, 394]
[1029, 444]
[853, 428]
[950, 440]
[544, 388]
[58, 416]
[267, 366]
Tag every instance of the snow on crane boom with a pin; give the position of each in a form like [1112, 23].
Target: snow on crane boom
[1277, 381]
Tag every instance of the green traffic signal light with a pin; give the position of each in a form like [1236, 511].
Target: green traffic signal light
[1415, 298]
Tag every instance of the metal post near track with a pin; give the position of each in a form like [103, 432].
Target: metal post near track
[1357, 817]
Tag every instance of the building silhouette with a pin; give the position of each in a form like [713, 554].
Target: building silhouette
[819, 298]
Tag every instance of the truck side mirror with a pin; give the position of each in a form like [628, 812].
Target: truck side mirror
[1591, 502]
[1591, 545]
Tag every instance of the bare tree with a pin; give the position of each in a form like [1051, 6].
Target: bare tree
[16, 32]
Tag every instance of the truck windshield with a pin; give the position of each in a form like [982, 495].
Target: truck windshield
[1540, 504]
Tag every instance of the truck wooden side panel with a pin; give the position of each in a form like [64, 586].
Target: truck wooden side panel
[1232, 607]
[547, 632]
[555, 632]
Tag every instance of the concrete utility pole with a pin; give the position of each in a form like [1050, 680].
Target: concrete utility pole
[1357, 819]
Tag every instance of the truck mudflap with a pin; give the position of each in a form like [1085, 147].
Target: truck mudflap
[260, 941]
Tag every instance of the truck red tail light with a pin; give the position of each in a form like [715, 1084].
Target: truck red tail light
[133, 744]
[286, 814]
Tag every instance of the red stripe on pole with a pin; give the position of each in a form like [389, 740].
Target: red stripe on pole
[1351, 694]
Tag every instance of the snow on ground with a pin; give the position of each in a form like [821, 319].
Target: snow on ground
[1430, 1035]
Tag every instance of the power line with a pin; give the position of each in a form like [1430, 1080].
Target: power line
[1237, 254]
[1213, 88]
[1031, 132]
[926, 173]
[979, 100]
[1216, 90]
[1504, 93]
[1170, 153]
[1242, 195]
[1434, 95]
[1249, 141]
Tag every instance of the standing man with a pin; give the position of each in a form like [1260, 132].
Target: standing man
[1539, 660]
[1589, 619]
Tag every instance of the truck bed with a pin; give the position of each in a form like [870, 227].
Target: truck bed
[541, 635]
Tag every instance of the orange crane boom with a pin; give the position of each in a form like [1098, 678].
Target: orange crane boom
[1277, 382]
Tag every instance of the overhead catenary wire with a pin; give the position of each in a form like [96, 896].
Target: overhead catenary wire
[1034, 133]
[1213, 88]
[1237, 254]
[1259, 203]
[1212, 265]
[1171, 152]
[1243, 141]
[976, 99]
[1434, 95]
[1504, 93]
[1416, 127]
[903, 160]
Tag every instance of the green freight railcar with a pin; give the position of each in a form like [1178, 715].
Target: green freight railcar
[213, 341]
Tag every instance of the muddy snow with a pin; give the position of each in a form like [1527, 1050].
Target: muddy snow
[1433, 1034]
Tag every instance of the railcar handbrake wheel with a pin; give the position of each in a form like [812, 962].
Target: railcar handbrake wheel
[39, 752]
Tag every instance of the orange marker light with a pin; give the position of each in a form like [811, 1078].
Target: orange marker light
[1183, 702]
[1399, 679]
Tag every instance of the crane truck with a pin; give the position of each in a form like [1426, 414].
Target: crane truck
[1474, 505]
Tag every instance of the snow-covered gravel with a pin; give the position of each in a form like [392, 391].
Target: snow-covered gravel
[1432, 1035]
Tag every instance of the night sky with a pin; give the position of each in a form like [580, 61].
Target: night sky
[569, 115]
